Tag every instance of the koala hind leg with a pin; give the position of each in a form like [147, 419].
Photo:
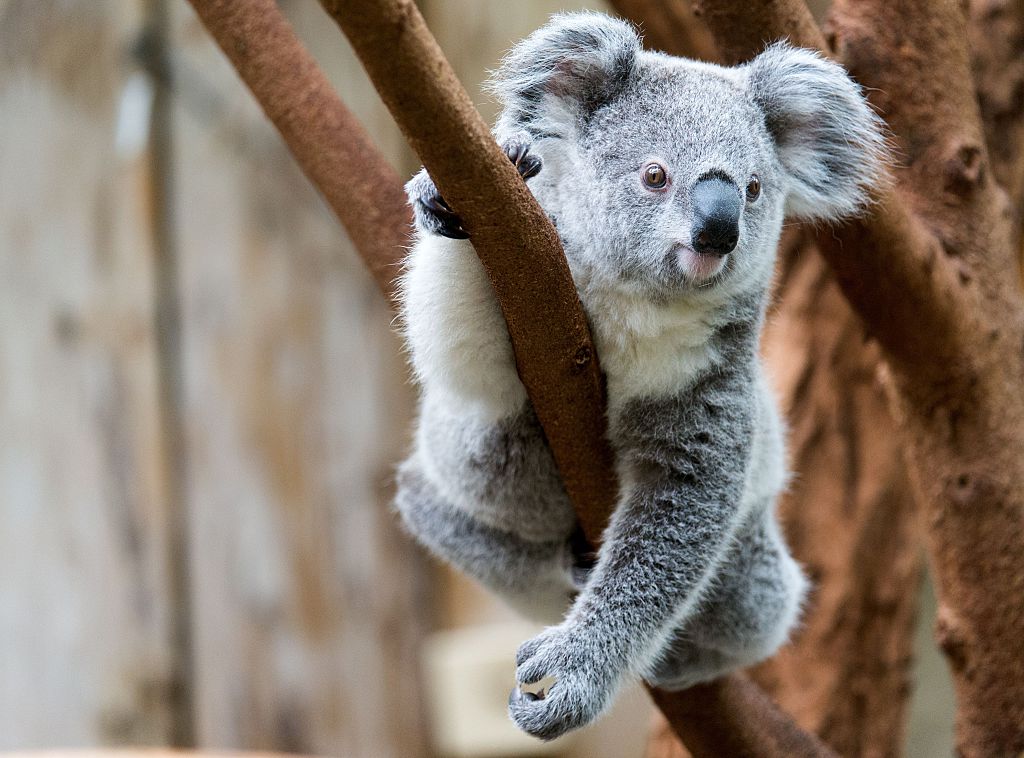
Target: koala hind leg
[534, 577]
[746, 617]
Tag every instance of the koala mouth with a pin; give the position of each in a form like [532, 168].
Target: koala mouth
[698, 268]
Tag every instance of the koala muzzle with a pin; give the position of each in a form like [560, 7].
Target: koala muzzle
[716, 216]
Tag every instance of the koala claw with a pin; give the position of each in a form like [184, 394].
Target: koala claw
[578, 695]
[518, 695]
[432, 213]
[435, 215]
[518, 151]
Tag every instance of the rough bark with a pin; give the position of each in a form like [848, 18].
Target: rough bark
[997, 54]
[962, 411]
[327, 140]
[415, 81]
[945, 305]
[714, 720]
[741, 30]
[669, 26]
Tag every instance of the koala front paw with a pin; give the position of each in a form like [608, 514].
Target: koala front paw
[518, 151]
[434, 215]
[581, 690]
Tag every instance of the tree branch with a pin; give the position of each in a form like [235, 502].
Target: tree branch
[328, 142]
[734, 717]
[742, 29]
[997, 52]
[518, 245]
[669, 26]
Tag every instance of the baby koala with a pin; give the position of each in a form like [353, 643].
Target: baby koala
[668, 181]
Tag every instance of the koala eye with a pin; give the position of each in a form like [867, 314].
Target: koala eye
[753, 188]
[655, 176]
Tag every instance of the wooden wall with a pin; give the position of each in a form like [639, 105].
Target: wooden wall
[201, 402]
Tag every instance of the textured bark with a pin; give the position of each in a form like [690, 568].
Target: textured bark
[669, 26]
[328, 142]
[935, 279]
[997, 53]
[715, 720]
[962, 410]
[742, 29]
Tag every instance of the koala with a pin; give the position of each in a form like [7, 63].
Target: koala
[668, 181]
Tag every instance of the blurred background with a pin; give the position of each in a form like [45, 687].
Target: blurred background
[202, 401]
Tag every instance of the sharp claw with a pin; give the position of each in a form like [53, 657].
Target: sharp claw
[518, 696]
[530, 166]
[438, 206]
[515, 152]
[451, 224]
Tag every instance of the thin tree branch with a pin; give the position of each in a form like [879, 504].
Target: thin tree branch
[328, 142]
[669, 26]
[734, 717]
[559, 370]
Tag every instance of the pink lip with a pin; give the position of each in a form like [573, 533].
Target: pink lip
[699, 267]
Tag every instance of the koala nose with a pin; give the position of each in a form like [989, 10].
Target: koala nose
[716, 216]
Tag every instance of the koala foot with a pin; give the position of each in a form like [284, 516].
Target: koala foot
[582, 686]
[434, 215]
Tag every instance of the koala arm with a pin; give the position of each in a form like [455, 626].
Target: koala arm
[684, 464]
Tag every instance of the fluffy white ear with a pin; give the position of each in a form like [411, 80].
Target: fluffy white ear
[575, 63]
[830, 142]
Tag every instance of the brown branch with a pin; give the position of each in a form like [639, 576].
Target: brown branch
[669, 26]
[414, 78]
[733, 717]
[328, 142]
[518, 245]
[742, 29]
[997, 51]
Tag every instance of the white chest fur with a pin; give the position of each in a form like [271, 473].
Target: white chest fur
[648, 349]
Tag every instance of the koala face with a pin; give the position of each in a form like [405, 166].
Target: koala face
[671, 177]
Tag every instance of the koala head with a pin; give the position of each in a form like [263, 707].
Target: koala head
[670, 176]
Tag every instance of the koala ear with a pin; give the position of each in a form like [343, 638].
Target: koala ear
[831, 144]
[581, 60]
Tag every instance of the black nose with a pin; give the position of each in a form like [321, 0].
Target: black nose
[716, 216]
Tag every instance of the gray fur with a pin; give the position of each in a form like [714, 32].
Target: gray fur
[693, 579]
